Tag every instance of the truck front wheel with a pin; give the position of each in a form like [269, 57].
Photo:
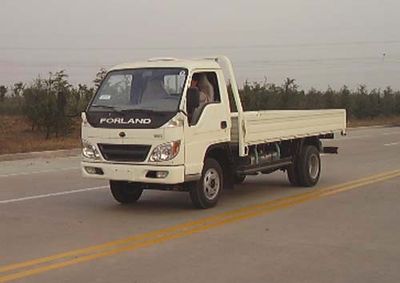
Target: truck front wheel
[125, 192]
[205, 192]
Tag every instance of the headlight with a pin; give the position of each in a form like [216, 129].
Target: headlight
[89, 151]
[165, 152]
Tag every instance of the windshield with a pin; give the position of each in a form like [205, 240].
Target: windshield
[152, 89]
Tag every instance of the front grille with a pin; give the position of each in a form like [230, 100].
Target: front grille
[124, 152]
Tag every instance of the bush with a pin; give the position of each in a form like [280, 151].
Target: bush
[359, 104]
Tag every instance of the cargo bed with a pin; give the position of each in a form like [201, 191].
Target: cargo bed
[278, 125]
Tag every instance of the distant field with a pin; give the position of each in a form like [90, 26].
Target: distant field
[391, 121]
[16, 135]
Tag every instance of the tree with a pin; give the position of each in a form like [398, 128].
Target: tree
[79, 98]
[46, 104]
[85, 94]
[329, 98]
[313, 99]
[361, 106]
[18, 89]
[61, 88]
[290, 89]
[389, 102]
[397, 103]
[37, 106]
[3, 92]
[345, 101]
[101, 74]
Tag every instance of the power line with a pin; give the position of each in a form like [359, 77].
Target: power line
[238, 63]
[227, 47]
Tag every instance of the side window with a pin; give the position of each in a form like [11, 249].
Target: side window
[207, 85]
[213, 80]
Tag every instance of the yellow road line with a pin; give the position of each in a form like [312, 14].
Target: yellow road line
[179, 231]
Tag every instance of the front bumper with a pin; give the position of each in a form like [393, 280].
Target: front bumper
[133, 173]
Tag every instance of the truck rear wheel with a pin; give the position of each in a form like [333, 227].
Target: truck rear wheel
[306, 168]
[205, 192]
[125, 192]
[293, 175]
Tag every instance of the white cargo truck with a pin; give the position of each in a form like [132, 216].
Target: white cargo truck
[173, 124]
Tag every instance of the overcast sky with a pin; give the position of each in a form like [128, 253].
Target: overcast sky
[320, 43]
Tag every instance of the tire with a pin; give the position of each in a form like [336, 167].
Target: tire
[239, 179]
[205, 192]
[125, 192]
[293, 175]
[308, 166]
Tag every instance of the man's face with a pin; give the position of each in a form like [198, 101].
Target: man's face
[193, 83]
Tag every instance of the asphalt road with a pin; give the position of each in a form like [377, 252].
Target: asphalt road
[58, 227]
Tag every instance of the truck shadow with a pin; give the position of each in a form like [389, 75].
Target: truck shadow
[253, 190]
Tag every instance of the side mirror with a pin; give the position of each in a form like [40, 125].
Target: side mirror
[83, 117]
[192, 99]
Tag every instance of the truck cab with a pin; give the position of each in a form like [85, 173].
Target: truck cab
[168, 124]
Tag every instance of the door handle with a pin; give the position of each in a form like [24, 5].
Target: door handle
[224, 125]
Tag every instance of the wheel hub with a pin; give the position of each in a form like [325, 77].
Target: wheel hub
[211, 184]
[313, 166]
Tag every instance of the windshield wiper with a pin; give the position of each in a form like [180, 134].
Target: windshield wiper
[150, 111]
[105, 106]
[113, 108]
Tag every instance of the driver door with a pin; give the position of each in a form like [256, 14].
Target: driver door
[211, 127]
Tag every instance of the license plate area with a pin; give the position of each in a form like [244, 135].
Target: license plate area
[123, 173]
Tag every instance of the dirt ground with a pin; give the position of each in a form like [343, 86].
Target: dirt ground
[16, 136]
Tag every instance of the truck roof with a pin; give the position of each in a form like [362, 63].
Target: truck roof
[170, 63]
